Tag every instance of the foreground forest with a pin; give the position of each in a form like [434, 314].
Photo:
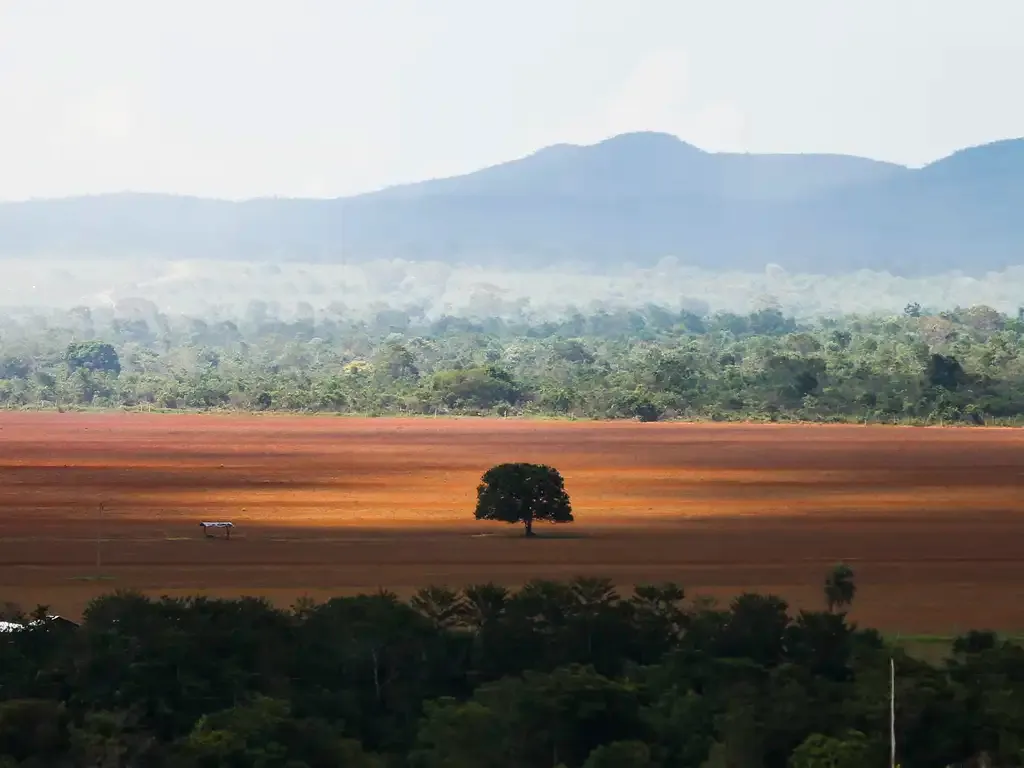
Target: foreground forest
[556, 674]
[964, 365]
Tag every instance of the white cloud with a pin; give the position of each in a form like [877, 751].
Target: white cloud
[718, 127]
[653, 94]
[656, 95]
[105, 114]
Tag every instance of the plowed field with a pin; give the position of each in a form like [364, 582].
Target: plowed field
[930, 519]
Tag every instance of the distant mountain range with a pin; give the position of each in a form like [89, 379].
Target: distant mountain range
[631, 199]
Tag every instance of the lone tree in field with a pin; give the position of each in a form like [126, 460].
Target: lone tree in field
[522, 493]
[839, 587]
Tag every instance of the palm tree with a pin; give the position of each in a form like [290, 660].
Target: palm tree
[593, 593]
[483, 605]
[839, 587]
[594, 597]
[441, 605]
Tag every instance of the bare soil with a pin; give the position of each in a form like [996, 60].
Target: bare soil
[930, 519]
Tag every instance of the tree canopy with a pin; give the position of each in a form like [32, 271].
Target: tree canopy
[840, 587]
[523, 493]
[92, 356]
[963, 366]
[572, 673]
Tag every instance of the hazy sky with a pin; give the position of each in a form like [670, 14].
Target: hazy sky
[239, 98]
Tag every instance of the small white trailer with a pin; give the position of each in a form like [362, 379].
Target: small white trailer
[206, 526]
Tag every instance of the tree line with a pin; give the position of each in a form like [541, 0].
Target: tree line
[961, 366]
[552, 675]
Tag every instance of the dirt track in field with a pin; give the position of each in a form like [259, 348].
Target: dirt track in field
[931, 519]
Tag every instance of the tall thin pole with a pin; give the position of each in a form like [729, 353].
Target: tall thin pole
[892, 713]
[99, 538]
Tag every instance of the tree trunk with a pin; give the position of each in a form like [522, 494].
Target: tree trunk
[376, 672]
[529, 527]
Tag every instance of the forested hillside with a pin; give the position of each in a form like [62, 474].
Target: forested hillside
[965, 365]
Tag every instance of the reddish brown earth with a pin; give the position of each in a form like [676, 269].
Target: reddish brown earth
[930, 519]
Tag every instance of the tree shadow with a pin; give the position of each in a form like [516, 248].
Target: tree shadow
[538, 534]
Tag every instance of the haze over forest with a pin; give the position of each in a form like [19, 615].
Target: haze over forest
[225, 289]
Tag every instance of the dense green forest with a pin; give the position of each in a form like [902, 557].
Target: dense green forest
[563, 674]
[964, 365]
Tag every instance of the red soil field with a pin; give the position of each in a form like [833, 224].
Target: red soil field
[930, 519]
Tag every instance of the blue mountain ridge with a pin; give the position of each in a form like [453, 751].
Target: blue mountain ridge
[631, 199]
